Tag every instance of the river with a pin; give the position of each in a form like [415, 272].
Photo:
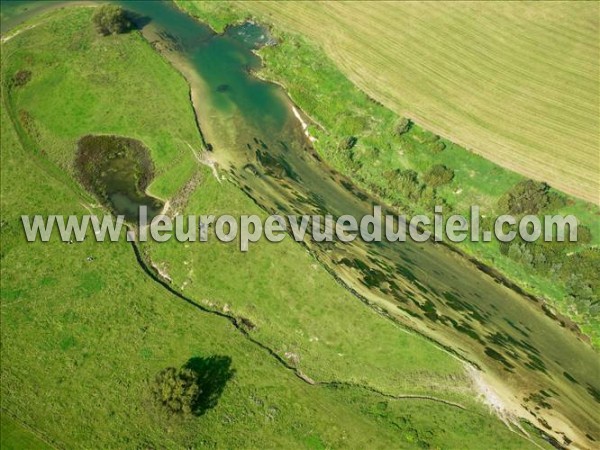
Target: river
[542, 371]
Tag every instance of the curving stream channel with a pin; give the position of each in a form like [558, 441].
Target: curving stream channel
[541, 369]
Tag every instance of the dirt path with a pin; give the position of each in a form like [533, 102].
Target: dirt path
[304, 124]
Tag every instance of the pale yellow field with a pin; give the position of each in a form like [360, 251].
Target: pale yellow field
[515, 82]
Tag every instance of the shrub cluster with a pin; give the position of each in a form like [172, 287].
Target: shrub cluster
[111, 19]
[403, 126]
[582, 281]
[526, 197]
[408, 184]
[178, 390]
[578, 271]
[438, 175]
[21, 78]
[530, 197]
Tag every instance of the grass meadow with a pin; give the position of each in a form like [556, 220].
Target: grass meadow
[84, 329]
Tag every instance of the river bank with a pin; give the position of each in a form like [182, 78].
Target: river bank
[105, 324]
[261, 193]
[349, 276]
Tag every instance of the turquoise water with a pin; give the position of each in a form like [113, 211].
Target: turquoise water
[257, 139]
[15, 12]
[259, 142]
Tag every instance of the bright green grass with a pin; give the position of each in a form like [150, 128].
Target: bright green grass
[341, 109]
[82, 338]
[13, 436]
[299, 309]
[295, 304]
[70, 109]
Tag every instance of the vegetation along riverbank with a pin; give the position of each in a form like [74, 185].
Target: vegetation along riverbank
[85, 330]
[414, 169]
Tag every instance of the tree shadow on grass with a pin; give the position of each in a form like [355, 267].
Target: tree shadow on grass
[213, 374]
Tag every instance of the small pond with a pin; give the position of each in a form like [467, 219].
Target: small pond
[117, 170]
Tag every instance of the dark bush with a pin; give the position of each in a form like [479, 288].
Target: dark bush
[437, 147]
[177, 389]
[582, 296]
[111, 19]
[578, 271]
[21, 78]
[438, 175]
[194, 388]
[348, 143]
[586, 264]
[526, 197]
[403, 126]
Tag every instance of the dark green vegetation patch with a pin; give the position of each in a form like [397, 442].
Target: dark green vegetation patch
[117, 170]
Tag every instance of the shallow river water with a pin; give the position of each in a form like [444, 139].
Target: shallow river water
[543, 371]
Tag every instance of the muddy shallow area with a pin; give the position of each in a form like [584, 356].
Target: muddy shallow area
[117, 170]
[261, 145]
[542, 370]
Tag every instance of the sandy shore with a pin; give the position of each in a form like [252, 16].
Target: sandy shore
[304, 124]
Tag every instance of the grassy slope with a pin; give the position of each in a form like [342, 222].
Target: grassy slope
[82, 338]
[13, 436]
[299, 309]
[83, 110]
[318, 87]
[516, 83]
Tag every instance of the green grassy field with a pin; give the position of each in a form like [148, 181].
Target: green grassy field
[515, 83]
[339, 109]
[13, 436]
[82, 337]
